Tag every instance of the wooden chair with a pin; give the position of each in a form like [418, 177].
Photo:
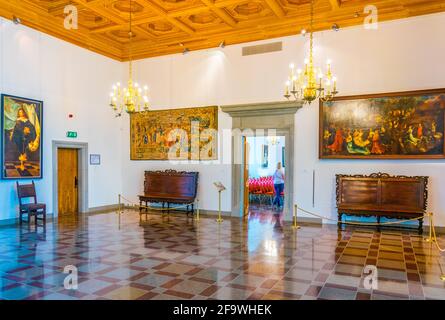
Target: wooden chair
[28, 191]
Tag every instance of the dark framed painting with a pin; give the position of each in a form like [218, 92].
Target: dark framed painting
[265, 156]
[154, 134]
[400, 125]
[22, 134]
[283, 156]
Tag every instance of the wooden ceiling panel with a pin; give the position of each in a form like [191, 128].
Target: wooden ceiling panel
[250, 10]
[168, 26]
[179, 5]
[52, 5]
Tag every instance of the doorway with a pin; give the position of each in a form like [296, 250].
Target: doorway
[264, 175]
[68, 181]
[70, 178]
[247, 119]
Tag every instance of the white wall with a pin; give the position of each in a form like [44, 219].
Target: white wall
[401, 55]
[69, 80]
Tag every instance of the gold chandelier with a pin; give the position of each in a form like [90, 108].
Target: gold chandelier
[309, 84]
[133, 98]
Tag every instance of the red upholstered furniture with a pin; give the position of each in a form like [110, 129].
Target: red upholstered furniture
[170, 187]
[28, 191]
[261, 189]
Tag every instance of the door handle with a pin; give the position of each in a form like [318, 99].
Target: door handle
[76, 182]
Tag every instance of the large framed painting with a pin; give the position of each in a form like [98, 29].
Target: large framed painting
[401, 125]
[175, 134]
[21, 137]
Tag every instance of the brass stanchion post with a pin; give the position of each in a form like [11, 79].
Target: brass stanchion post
[119, 211]
[197, 210]
[430, 236]
[219, 220]
[294, 225]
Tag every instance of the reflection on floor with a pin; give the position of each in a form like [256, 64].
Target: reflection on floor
[178, 258]
[264, 214]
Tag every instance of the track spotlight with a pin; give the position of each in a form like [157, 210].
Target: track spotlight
[186, 50]
[16, 20]
[303, 32]
[335, 27]
[222, 45]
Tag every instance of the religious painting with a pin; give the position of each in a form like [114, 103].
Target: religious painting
[177, 134]
[21, 138]
[402, 125]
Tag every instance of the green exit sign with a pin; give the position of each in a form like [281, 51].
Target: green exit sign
[71, 134]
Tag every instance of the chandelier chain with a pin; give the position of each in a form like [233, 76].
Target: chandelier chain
[312, 33]
[133, 98]
[130, 34]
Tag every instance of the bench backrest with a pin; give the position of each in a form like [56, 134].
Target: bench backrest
[380, 191]
[171, 184]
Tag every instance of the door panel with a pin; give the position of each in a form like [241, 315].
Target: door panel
[67, 161]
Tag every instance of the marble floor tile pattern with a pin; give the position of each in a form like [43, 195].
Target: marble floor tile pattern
[175, 257]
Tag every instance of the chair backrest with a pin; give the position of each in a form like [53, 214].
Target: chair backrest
[26, 191]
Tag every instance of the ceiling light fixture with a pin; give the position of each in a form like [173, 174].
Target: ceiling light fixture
[16, 20]
[335, 27]
[186, 50]
[222, 45]
[303, 32]
[309, 84]
[133, 98]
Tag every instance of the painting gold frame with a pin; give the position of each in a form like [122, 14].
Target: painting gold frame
[149, 131]
[26, 161]
[438, 93]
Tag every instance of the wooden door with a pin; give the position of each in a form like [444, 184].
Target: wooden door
[67, 171]
[246, 177]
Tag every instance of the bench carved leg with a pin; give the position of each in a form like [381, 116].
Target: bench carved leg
[420, 229]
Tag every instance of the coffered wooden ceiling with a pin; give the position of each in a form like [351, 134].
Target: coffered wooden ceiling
[168, 26]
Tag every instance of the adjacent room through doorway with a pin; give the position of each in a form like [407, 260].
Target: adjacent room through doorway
[264, 177]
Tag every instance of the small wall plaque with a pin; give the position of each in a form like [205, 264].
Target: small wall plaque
[94, 159]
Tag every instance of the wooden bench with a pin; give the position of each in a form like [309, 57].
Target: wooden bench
[169, 187]
[382, 195]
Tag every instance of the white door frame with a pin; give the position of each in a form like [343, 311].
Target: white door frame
[271, 115]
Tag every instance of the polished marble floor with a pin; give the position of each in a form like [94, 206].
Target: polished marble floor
[177, 258]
